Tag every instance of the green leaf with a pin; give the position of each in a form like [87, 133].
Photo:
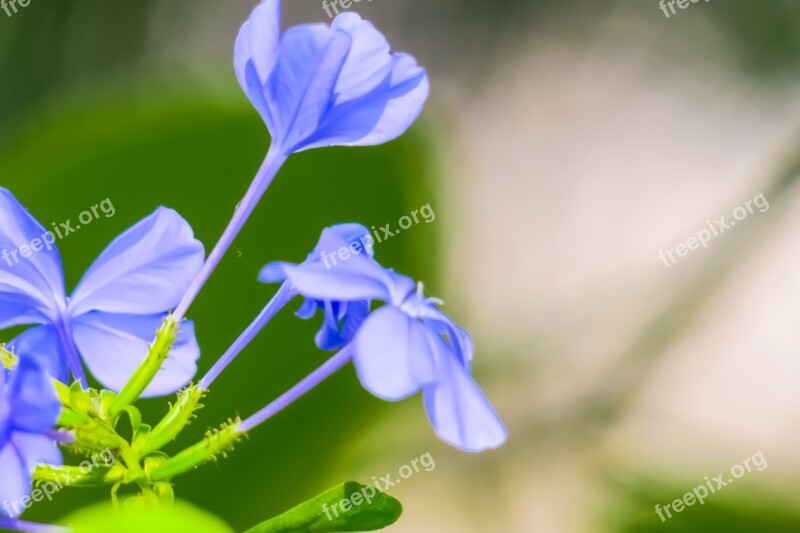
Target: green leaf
[367, 509]
[143, 516]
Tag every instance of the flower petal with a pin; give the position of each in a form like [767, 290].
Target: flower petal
[31, 273]
[255, 53]
[335, 272]
[34, 404]
[258, 41]
[300, 88]
[379, 116]
[393, 357]
[112, 346]
[460, 340]
[348, 235]
[18, 459]
[369, 60]
[355, 281]
[146, 270]
[15, 482]
[341, 322]
[307, 310]
[458, 409]
[42, 345]
[409, 90]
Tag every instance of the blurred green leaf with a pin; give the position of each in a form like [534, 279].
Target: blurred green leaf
[349, 506]
[144, 518]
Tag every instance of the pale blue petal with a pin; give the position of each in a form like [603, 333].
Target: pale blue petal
[409, 90]
[275, 272]
[42, 345]
[354, 280]
[18, 458]
[32, 287]
[380, 116]
[146, 270]
[348, 235]
[255, 53]
[31, 527]
[34, 404]
[36, 449]
[307, 310]
[15, 482]
[258, 41]
[335, 272]
[112, 346]
[5, 408]
[458, 409]
[300, 89]
[369, 60]
[393, 357]
[18, 307]
[460, 340]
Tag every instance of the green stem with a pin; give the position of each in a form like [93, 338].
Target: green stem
[76, 476]
[216, 443]
[178, 417]
[147, 370]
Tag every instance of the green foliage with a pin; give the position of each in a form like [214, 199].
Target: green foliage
[143, 517]
[740, 508]
[368, 510]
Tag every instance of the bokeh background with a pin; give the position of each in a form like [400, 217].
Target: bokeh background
[565, 143]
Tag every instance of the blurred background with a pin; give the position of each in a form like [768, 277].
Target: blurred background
[566, 143]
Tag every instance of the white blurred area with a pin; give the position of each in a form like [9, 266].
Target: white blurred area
[565, 175]
[565, 169]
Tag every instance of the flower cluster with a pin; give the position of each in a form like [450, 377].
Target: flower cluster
[314, 85]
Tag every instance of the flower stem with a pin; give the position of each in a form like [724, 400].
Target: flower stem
[269, 168]
[170, 427]
[281, 298]
[76, 476]
[221, 441]
[216, 443]
[147, 370]
[312, 380]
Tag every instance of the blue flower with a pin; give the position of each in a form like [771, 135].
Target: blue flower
[29, 407]
[341, 318]
[116, 308]
[318, 85]
[405, 346]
